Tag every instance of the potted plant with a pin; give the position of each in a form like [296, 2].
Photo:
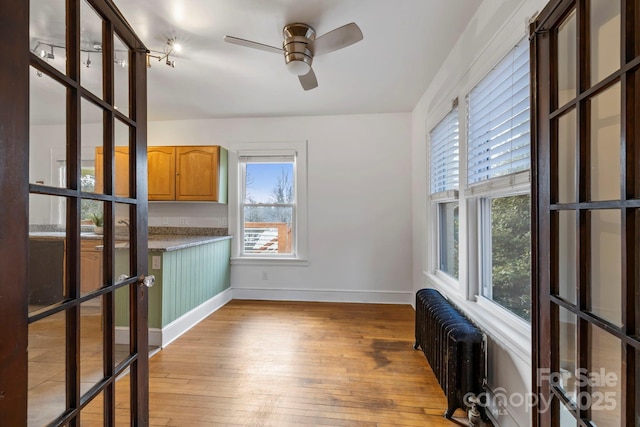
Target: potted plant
[98, 222]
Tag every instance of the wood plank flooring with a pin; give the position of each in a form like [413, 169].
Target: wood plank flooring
[257, 363]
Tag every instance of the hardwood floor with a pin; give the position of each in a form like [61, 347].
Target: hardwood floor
[259, 363]
[256, 363]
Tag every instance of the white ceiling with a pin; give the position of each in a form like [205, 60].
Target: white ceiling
[405, 42]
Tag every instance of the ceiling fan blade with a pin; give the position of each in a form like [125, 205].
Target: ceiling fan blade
[309, 81]
[254, 45]
[337, 39]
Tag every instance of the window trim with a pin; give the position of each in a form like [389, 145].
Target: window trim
[300, 227]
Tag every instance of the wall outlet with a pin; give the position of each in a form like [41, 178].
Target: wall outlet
[155, 262]
[223, 221]
[265, 276]
[165, 220]
[184, 220]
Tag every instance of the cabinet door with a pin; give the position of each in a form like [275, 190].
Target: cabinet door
[197, 173]
[162, 173]
[90, 266]
[121, 168]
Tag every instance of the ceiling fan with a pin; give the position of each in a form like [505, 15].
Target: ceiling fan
[300, 45]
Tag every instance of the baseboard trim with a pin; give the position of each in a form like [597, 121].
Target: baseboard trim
[188, 320]
[310, 295]
[163, 337]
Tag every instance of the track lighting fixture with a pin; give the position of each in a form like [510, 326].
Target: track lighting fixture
[45, 50]
[169, 48]
[47, 55]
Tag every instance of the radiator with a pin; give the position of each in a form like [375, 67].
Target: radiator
[453, 346]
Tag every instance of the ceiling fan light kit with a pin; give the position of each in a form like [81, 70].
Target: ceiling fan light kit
[300, 45]
[297, 55]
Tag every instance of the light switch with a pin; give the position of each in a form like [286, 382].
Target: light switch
[155, 262]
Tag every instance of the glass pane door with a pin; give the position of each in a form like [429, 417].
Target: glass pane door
[587, 153]
[86, 239]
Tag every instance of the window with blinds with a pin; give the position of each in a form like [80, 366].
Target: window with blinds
[499, 119]
[444, 154]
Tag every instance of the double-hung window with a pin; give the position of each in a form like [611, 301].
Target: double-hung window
[444, 162]
[268, 203]
[498, 176]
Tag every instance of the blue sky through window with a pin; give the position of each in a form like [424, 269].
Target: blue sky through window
[262, 178]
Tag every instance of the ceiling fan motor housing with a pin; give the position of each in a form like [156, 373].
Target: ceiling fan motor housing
[297, 54]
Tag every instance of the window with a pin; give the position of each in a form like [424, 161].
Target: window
[444, 164]
[448, 239]
[506, 268]
[498, 175]
[499, 128]
[268, 203]
[88, 207]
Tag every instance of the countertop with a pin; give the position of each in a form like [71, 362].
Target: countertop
[168, 243]
[157, 242]
[61, 235]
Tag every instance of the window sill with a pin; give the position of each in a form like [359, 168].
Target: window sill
[446, 279]
[263, 261]
[506, 328]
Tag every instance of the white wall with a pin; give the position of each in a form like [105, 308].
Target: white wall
[359, 194]
[497, 26]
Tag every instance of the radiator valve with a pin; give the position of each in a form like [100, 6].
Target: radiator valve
[474, 415]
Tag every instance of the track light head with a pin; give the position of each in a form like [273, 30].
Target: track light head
[47, 55]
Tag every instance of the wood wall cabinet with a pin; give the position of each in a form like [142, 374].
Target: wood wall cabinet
[196, 173]
[188, 173]
[121, 171]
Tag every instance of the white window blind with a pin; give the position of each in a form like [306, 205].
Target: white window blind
[499, 119]
[444, 154]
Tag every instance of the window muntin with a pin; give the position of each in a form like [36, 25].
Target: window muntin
[499, 119]
[268, 205]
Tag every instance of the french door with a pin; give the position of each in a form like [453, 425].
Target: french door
[73, 250]
[586, 157]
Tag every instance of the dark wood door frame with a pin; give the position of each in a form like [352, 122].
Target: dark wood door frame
[14, 198]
